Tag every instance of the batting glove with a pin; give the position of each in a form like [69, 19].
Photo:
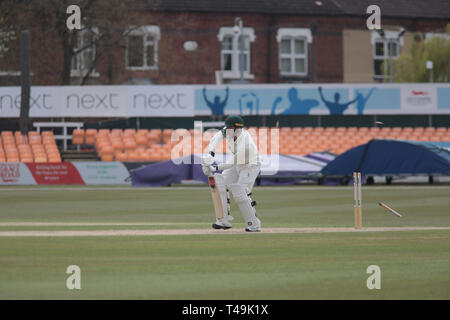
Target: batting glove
[208, 159]
[208, 170]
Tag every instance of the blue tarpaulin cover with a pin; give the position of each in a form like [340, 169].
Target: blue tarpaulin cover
[394, 157]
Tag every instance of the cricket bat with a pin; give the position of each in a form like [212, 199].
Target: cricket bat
[215, 197]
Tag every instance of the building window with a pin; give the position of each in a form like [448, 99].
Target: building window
[84, 60]
[142, 48]
[293, 56]
[293, 51]
[385, 48]
[230, 52]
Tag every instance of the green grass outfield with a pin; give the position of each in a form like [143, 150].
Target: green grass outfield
[297, 265]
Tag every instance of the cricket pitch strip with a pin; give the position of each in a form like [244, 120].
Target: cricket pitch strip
[166, 232]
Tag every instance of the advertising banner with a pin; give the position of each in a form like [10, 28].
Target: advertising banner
[93, 101]
[160, 101]
[55, 173]
[419, 99]
[15, 173]
[326, 99]
[64, 173]
[44, 102]
[103, 172]
[100, 101]
[254, 99]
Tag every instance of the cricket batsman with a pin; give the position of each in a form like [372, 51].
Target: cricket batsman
[238, 175]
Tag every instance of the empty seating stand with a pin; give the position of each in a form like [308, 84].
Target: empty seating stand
[34, 147]
[152, 145]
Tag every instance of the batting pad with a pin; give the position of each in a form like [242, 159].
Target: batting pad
[220, 183]
[244, 203]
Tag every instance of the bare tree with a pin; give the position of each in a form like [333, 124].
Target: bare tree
[7, 34]
[104, 29]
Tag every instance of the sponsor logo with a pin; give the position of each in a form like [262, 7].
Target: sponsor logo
[10, 172]
[419, 93]
[37, 101]
[92, 101]
[159, 101]
[419, 98]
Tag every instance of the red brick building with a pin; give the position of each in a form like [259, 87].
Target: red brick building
[187, 41]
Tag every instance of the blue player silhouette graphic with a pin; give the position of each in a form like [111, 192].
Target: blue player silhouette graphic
[250, 101]
[217, 106]
[297, 105]
[361, 100]
[335, 107]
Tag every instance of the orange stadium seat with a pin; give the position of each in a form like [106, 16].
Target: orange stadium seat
[319, 129]
[307, 129]
[286, 130]
[441, 129]
[154, 136]
[107, 157]
[427, 132]
[143, 131]
[54, 158]
[47, 133]
[8, 140]
[7, 137]
[316, 132]
[117, 144]
[329, 129]
[40, 157]
[78, 136]
[167, 134]
[48, 140]
[129, 132]
[116, 133]
[297, 129]
[20, 138]
[374, 129]
[141, 139]
[34, 139]
[103, 132]
[121, 156]
[34, 134]
[90, 136]
[129, 142]
[363, 130]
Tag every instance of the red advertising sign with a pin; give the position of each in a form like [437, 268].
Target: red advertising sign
[55, 173]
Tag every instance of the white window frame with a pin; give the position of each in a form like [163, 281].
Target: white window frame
[293, 34]
[234, 73]
[376, 38]
[79, 57]
[430, 35]
[10, 73]
[145, 31]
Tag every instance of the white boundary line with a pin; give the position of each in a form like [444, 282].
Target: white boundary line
[95, 224]
[306, 188]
